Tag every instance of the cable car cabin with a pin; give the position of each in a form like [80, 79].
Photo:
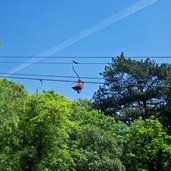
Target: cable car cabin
[79, 86]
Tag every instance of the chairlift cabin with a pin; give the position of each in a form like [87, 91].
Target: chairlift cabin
[79, 86]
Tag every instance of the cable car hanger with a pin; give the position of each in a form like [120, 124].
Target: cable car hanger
[80, 83]
[74, 62]
[41, 86]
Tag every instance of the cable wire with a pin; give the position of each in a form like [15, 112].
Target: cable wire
[72, 81]
[64, 63]
[52, 76]
[79, 57]
[53, 63]
[4, 74]
[47, 79]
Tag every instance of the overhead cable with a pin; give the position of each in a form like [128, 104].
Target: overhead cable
[72, 81]
[64, 76]
[54, 63]
[48, 79]
[79, 57]
[63, 63]
[53, 76]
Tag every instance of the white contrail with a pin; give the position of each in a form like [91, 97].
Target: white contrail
[85, 33]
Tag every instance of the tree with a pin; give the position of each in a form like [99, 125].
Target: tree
[47, 128]
[147, 147]
[61, 135]
[133, 89]
[12, 107]
[99, 140]
[46, 131]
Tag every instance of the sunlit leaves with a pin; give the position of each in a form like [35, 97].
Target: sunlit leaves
[46, 131]
[147, 146]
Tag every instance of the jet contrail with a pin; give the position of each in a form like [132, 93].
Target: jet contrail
[87, 32]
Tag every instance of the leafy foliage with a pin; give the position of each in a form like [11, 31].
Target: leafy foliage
[133, 89]
[46, 131]
[147, 147]
[99, 142]
[12, 106]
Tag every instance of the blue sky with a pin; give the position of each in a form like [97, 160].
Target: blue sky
[34, 27]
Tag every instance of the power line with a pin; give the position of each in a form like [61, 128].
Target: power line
[64, 63]
[56, 57]
[54, 63]
[79, 57]
[72, 81]
[53, 76]
[5, 74]
[47, 79]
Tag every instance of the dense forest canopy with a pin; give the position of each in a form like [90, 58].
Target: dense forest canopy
[46, 131]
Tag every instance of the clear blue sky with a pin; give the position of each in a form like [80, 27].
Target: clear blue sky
[33, 27]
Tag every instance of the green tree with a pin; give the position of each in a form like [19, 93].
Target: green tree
[99, 140]
[165, 116]
[46, 131]
[147, 147]
[47, 128]
[12, 107]
[62, 135]
[133, 89]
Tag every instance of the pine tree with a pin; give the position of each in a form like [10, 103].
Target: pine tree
[133, 89]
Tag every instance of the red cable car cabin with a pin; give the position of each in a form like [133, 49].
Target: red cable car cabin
[79, 86]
